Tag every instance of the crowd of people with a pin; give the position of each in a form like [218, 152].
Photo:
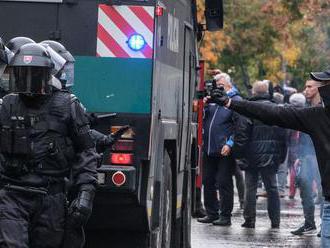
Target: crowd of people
[269, 148]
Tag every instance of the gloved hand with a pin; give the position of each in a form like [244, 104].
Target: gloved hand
[219, 96]
[81, 208]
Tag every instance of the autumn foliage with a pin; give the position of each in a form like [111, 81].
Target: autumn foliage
[278, 40]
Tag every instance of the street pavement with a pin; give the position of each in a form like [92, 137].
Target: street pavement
[209, 236]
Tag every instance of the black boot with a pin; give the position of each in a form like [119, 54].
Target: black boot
[207, 219]
[275, 225]
[199, 212]
[248, 224]
[222, 221]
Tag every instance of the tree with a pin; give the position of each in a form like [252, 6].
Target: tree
[278, 40]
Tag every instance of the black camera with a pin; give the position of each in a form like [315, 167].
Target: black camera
[211, 85]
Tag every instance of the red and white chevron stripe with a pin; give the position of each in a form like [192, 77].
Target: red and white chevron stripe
[117, 23]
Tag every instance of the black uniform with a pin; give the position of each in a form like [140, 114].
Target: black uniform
[38, 136]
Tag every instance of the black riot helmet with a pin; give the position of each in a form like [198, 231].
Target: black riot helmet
[66, 76]
[31, 70]
[15, 43]
[60, 49]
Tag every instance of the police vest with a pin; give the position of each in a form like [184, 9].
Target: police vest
[35, 140]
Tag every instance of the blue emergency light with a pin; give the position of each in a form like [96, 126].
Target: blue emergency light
[136, 42]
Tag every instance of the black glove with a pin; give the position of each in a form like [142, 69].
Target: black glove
[109, 140]
[219, 96]
[81, 208]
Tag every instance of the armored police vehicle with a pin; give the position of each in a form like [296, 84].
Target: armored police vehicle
[137, 59]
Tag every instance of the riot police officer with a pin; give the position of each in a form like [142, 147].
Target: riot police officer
[39, 127]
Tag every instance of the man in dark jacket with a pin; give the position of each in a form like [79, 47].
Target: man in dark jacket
[314, 121]
[218, 162]
[264, 149]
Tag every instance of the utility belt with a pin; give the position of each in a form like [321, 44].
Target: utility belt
[18, 168]
[52, 189]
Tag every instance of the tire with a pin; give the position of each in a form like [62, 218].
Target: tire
[166, 212]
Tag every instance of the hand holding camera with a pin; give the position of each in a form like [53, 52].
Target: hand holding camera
[219, 96]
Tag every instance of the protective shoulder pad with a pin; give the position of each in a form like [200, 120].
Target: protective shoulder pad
[10, 99]
[10, 96]
[73, 98]
[60, 104]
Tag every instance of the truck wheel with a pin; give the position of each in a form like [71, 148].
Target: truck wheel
[166, 228]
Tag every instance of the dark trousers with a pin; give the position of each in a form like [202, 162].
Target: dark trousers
[239, 178]
[268, 176]
[304, 181]
[218, 175]
[31, 220]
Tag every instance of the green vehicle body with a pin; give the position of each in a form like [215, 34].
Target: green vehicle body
[114, 84]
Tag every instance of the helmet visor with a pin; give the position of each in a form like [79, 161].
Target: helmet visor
[67, 76]
[9, 55]
[3, 56]
[30, 80]
[2, 68]
[58, 61]
[4, 82]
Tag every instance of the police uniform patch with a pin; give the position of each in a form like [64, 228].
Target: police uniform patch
[27, 59]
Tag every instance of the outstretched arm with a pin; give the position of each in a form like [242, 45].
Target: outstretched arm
[283, 116]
